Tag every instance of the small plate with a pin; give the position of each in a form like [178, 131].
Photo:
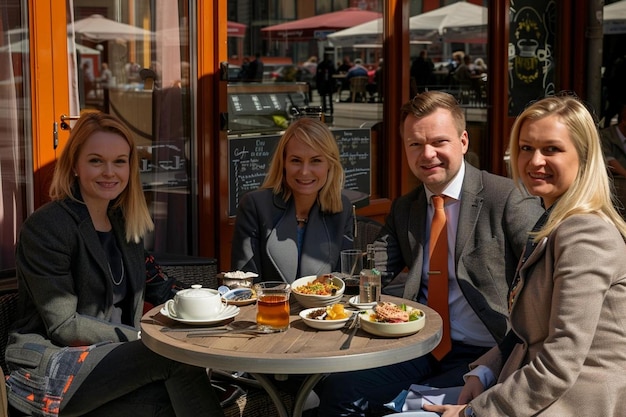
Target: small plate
[239, 296]
[241, 302]
[323, 324]
[354, 302]
[228, 313]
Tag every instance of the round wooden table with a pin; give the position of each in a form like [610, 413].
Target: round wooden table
[299, 350]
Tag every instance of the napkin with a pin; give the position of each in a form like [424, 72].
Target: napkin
[240, 274]
[417, 395]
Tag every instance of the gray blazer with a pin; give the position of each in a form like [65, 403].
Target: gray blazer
[570, 314]
[494, 220]
[65, 290]
[265, 236]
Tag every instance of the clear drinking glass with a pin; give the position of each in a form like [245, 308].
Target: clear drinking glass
[351, 266]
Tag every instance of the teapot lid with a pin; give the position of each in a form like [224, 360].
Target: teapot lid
[196, 290]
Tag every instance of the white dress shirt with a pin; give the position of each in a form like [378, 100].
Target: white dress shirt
[465, 326]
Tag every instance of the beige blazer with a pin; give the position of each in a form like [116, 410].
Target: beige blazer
[571, 316]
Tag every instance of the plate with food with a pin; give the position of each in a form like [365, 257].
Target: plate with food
[392, 320]
[318, 291]
[331, 317]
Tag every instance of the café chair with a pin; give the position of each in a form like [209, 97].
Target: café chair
[8, 315]
[366, 232]
[189, 270]
[358, 87]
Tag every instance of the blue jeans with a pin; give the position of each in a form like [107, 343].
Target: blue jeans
[357, 393]
[134, 381]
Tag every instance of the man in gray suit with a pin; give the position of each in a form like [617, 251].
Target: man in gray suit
[488, 222]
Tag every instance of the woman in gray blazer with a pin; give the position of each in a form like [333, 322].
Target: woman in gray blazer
[565, 354]
[298, 222]
[75, 348]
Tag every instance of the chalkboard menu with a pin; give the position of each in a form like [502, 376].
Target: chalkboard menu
[249, 159]
[354, 149]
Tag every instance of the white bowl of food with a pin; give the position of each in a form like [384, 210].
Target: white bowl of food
[318, 291]
[331, 317]
[392, 320]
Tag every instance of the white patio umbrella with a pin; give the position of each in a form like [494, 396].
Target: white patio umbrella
[615, 18]
[449, 21]
[22, 47]
[456, 17]
[368, 32]
[99, 28]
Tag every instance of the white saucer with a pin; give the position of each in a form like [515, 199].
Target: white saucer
[354, 302]
[228, 313]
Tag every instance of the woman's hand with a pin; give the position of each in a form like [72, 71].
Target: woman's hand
[472, 389]
[445, 410]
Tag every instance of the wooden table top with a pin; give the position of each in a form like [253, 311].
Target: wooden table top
[299, 350]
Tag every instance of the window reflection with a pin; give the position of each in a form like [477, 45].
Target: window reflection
[449, 53]
[15, 127]
[306, 73]
[134, 62]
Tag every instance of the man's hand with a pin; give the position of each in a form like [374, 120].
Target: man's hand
[472, 389]
[445, 410]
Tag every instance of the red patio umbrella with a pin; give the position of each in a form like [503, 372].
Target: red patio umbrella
[236, 30]
[317, 27]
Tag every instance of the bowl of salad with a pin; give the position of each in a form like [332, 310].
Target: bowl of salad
[392, 320]
[318, 291]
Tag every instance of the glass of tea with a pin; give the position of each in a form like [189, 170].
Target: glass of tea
[272, 305]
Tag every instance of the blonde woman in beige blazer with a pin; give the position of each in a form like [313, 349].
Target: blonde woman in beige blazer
[566, 352]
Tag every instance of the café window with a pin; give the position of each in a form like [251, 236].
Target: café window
[306, 72]
[449, 53]
[134, 61]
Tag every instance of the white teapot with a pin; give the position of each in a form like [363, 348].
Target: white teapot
[195, 303]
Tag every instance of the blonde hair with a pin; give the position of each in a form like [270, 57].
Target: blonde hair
[131, 201]
[318, 136]
[590, 192]
[426, 103]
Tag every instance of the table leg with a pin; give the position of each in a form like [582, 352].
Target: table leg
[271, 390]
[303, 393]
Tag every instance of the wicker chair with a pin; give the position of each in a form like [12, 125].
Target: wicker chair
[189, 269]
[366, 232]
[8, 314]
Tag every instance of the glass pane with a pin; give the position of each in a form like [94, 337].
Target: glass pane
[134, 60]
[15, 127]
[306, 72]
[449, 53]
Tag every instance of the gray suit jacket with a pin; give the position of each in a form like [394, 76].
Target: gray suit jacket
[494, 220]
[570, 313]
[265, 236]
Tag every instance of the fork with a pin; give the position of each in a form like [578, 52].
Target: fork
[354, 326]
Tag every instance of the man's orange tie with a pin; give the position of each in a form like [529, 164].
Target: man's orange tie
[438, 274]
